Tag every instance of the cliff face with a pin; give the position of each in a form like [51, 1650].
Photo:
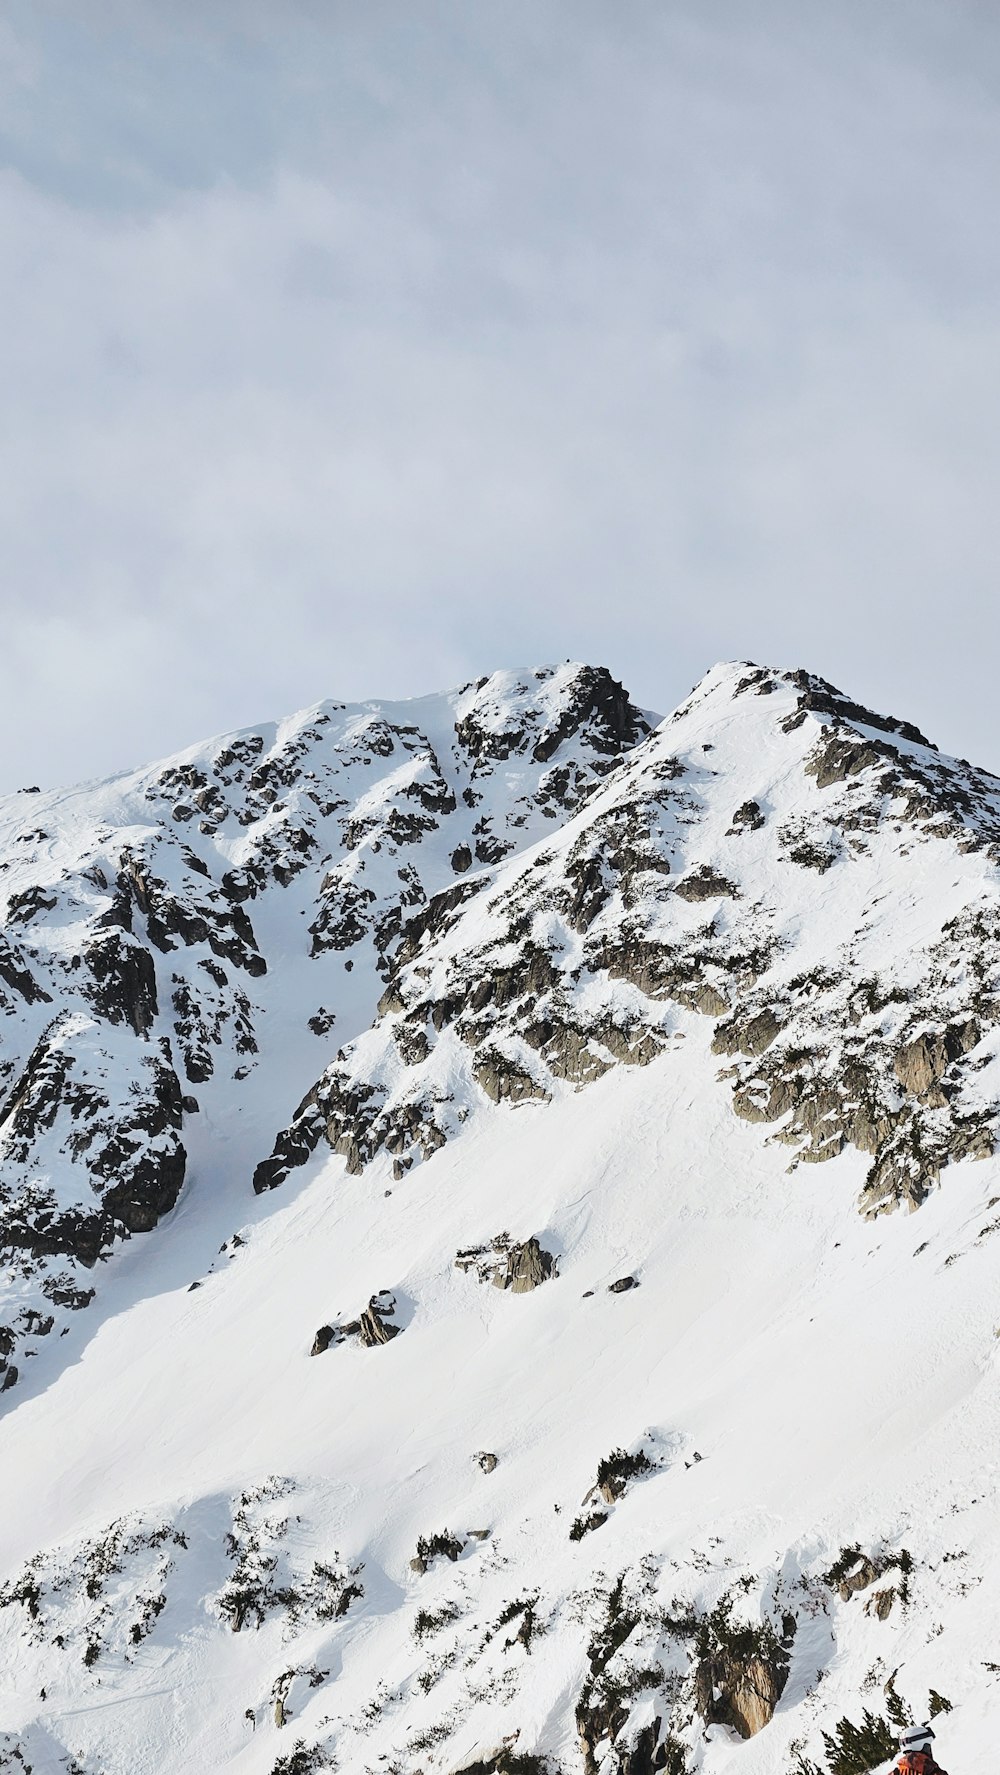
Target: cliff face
[427, 1340]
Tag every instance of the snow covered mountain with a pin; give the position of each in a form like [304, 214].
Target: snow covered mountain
[423, 1346]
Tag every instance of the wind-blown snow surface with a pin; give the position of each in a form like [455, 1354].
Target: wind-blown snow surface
[801, 1377]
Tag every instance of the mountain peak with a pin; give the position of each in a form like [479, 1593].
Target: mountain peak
[814, 695]
[432, 1136]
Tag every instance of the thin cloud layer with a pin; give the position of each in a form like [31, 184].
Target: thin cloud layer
[360, 353]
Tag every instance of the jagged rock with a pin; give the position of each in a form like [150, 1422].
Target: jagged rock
[293, 1145]
[503, 1080]
[372, 1328]
[26, 905]
[858, 1577]
[740, 1693]
[753, 1036]
[61, 1294]
[839, 756]
[880, 1603]
[18, 976]
[922, 1062]
[487, 1461]
[527, 1267]
[376, 1321]
[517, 1267]
[706, 884]
[818, 696]
[747, 818]
[647, 1756]
[124, 980]
[143, 1154]
[623, 1284]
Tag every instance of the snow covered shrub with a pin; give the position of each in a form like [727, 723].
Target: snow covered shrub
[511, 1762]
[430, 1621]
[582, 1525]
[303, 1759]
[615, 1471]
[447, 1545]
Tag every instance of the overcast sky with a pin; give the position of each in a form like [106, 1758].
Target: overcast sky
[358, 348]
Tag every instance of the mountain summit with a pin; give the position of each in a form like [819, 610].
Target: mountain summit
[327, 1044]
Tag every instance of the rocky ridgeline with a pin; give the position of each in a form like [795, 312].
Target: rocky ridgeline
[811, 876]
[136, 989]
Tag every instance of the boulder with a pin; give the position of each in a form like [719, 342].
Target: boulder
[526, 1268]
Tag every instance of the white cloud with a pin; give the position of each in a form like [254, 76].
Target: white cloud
[650, 337]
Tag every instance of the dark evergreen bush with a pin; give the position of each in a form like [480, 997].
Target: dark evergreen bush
[429, 1546]
[582, 1525]
[853, 1750]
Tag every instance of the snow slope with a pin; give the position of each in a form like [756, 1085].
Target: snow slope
[777, 905]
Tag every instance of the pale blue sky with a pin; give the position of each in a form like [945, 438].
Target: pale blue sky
[356, 349]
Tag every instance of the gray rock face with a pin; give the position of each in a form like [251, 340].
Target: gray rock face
[706, 884]
[503, 1080]
[859, 1578]
[372, 1328]
[528, 1266]
[124, 980]
[880, 1603]
[747, 818]
[921, 1064]
[741, 1693]
[376, 1325]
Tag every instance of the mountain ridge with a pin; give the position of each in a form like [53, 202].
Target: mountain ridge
[838, 748]
[191, 847]
[537, 1420]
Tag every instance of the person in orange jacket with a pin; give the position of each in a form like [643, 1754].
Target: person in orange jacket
[916, 1756]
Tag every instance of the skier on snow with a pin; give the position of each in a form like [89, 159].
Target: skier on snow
[916, 1756]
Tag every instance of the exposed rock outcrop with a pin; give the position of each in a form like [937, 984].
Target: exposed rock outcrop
[373, 1327]
[517, 1267]
[739, 1692]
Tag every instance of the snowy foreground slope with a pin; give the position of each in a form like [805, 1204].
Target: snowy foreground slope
[691, 1455]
